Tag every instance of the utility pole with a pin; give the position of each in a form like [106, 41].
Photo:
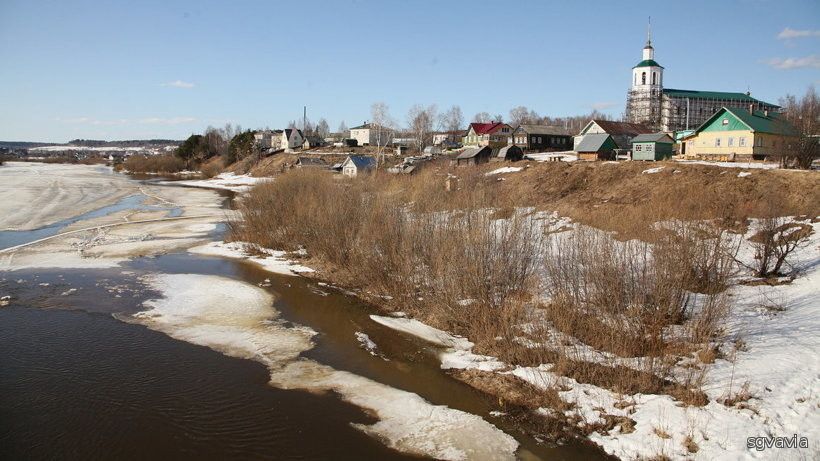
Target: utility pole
[304, 120]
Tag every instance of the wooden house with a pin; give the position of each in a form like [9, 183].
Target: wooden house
[542, 138]
[597, 146]
[654, 146]
[474, 156]
[355, 165]
[493, 134]
[621, 132]
[507, 154]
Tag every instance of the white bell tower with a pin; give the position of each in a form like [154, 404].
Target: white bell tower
[644, 101]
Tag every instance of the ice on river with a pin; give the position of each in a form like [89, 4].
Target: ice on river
[239, 320]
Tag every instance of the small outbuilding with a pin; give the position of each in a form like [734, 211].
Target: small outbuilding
[310, 162]
[596, 146]
[653, 146]
[312, 142]
[474, 156]
[355, 165]
[507, 154]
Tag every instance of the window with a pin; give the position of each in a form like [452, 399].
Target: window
[741, 141]
[759, 142]
[643, 78]
[654, 78]
[637, 147]
[725, 121]
[717, 142]
[731, 142]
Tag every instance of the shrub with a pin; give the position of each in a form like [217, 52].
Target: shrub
[166, 163]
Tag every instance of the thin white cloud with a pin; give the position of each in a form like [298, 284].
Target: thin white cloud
[603, 105]
[794, 63]
[92, 121]
[167, 121]
[788, 34]
[179, 84]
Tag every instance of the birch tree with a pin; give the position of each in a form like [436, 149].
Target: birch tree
[382, 123]
[420, 121]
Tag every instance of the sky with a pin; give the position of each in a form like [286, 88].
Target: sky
[119, 70]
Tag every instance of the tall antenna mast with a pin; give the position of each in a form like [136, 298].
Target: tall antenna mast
[649, 31]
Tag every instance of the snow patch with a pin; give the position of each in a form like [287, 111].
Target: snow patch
[506, 169]
[275, 261]
[743, 174]
[653, 170]
[224, 181]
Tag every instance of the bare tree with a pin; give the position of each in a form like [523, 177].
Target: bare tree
[383, 124]
[775, 241]
[451, 120]
[481, 117]
[498, 118]
[343, 129]
[521, 115]
[420, 121]
[804, 115]
[322, 128]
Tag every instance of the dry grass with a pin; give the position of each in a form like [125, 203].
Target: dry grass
[165, 163]
[212, 167]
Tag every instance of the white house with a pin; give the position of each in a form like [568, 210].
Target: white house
[358, 164]
[371, 134]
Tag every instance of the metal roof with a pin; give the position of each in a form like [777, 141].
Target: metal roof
[653, 137]
[759, 121]
[592, 142]
[543, 130]
[471, 152]
[730, 96]
[363, 161]
[648, 63]
[502, 152]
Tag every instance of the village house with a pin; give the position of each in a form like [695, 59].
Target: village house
[733, 134]
[448, 138]
[542, 138]
[507, 154]
[371, 134]
[276, 140]
[355, 165]
[313, 141]
[654, 146]
[492, 134]
[621, 132]
[596, 146]
[474, 156]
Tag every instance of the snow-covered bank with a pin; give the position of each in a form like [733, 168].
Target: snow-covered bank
[238, 319]
[225, 181]
[275, 261]
[768, 370]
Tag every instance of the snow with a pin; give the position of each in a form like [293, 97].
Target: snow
[239, 320]
[457, 353]
[743, 174]
[225, 181]
[275, 261]
[506, 169]
[778, 366]
[652, 170]
[750, 165]
[566, 156]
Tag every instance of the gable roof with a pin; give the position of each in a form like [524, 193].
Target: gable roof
[543, 130]
[757, 121]
[485, 128]
[363, 162]
[592, 142]
[310, 161]
[472, 152]
[361, 127]
[653, 137]
[729, 96]
[620, 128]
[504, 151]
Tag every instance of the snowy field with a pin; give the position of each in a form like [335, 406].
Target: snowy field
[225, 181]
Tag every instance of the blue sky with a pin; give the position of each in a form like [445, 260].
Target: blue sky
[165, 69]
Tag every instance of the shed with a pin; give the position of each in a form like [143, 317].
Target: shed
[358, 164]
[313, 141]
[596, 146]
[653, 146]
[310, 162]
[509, 154]
[474, 156]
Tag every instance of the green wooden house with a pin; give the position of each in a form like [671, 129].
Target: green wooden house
[652, 147]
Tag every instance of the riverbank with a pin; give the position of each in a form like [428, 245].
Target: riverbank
[623, 402]
[150, 274]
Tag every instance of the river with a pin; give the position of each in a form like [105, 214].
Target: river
[80, 379]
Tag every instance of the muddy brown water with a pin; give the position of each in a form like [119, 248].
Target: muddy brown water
[76, 383]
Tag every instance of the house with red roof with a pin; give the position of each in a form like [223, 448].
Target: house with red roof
[492, 134]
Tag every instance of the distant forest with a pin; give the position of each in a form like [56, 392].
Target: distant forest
[91, 143]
